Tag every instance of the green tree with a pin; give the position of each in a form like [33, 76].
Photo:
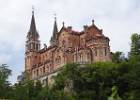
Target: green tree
[118, 57]
[20, 92]
[135, 44]
[5, 72]
[114, 95]
[27, 91]
[86, 82]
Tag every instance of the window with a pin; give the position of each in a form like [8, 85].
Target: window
[51, 67]
[88, 56]
[58, 60]
[34, 74]
[43, 69]
[100, 52]
[81, 57]
[37, 73]
[33, 46]
[47, 68]
[63, 43]
[75, 58]
[105, 51]
[36, 46]
[95, 51]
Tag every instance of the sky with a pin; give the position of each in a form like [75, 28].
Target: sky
[118, 19]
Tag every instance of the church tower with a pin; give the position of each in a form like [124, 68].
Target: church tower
[55, 31]
[32, 45]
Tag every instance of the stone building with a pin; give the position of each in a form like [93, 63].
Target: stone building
[66, 46]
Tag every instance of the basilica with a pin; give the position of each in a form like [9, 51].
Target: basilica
[89, 45]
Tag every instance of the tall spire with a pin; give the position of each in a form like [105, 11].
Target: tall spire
[55, 29]
[33, 25]
[32, 43]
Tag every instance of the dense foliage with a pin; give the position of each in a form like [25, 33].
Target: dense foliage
[85, 82]
[135, 44]
[4, 84]
[95, 81]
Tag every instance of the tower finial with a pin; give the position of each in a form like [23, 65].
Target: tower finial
[63, 24]
[92, 21]
[55, 29]
[33, 25]
[33, 9]
[55, 16]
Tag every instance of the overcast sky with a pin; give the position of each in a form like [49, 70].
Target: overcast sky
[118, 19]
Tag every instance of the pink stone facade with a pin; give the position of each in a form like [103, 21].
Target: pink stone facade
[69, 46]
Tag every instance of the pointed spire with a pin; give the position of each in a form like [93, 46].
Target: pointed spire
[33, 25]
[92, 21]
[55, 29]
[63, 24]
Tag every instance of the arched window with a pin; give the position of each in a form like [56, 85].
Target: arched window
[101, 52]
[36, 46]
[96, 52]
[75, 58]
[59, 59]
[33, 46]
[47, 68]
[88, 56]
[56, 61]
[63, 43]
[43, 70]
[34, 74]
[37, 73]
[105, 51]
[81, 57]
[51, 67]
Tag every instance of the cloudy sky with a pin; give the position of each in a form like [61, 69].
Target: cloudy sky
[118, 19]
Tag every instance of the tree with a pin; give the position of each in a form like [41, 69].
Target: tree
[135, 44]
[114, 95]
[5, 72]
[118, 57]
[23, 78]
[134, 54]
[86, 82]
